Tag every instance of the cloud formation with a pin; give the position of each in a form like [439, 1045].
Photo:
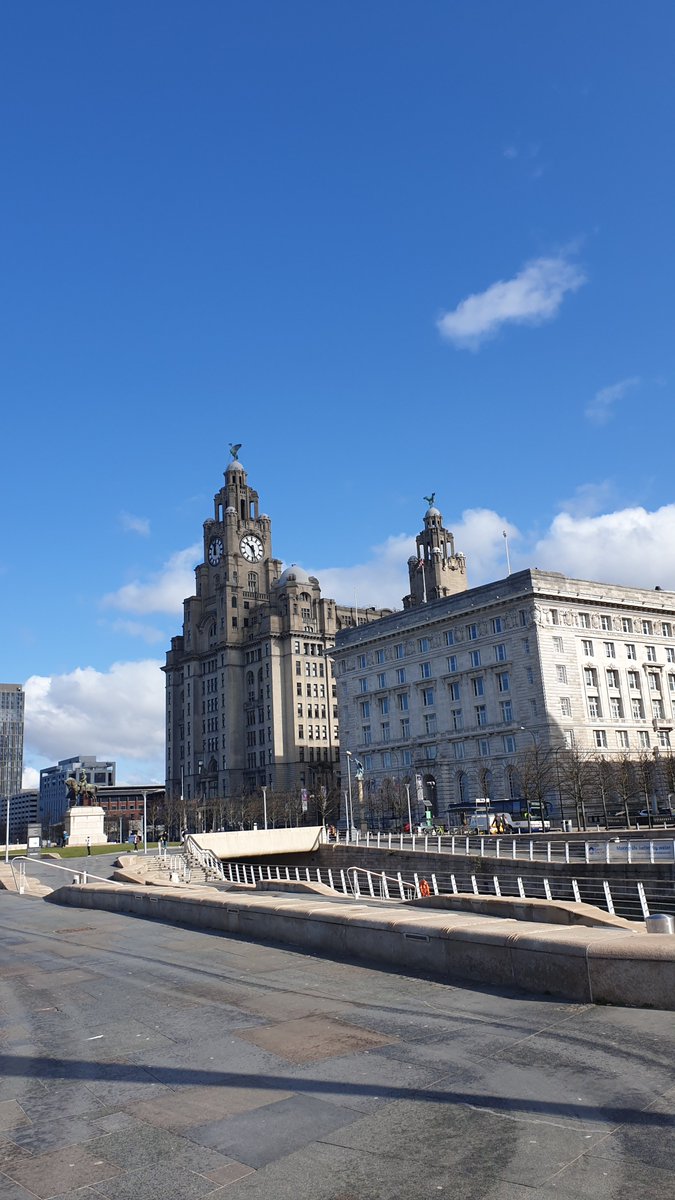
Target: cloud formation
[132, 524]
[600, 409]
[164, 591]
[631, 546]
[116, 714]
[533, 296]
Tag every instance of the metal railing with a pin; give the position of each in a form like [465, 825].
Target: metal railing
[205, 860]
[83, 876]
[522, 847]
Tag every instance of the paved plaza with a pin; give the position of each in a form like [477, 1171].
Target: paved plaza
[143, 1061]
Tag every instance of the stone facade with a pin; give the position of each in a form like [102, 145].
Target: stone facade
[250, 700]
[449, 695]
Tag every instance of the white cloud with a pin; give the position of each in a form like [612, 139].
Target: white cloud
[631, 546]
[148, 633]
[164, 591]
[600, 408]
[132, 524]
[30, 779]
[116, 714]
[530, 298]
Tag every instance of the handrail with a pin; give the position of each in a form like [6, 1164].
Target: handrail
[407, 890]
[82, 876]
[206, 859]
[536, 848]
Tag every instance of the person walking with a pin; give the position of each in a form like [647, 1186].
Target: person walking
[88, 844]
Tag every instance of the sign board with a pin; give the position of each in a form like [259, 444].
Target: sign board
[34, 840]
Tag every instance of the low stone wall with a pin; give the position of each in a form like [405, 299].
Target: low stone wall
[614, 966]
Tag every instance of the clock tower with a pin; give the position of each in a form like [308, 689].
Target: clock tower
[436, 570]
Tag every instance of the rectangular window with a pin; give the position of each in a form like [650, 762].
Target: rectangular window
[430, 723]
[671, 684]
[423, 644]
[474, 658]
[593, 706]
[403, 701]
[481, 714]
[428, 698]
[630, 650]
[605, 621]
[561, 673]
[654, 681]
[407, 758]
[555, 616]
[382, 681]
[366, 735]
[526, 645]
[670, 654]
[612, 678]
[361, 662]
[666, 629]
[365, 710]
[651, 653]
[455, 691]
[363, 685]
[626, 625]
[457, 718]
[472, 632]
[386, 760]
[385, 730]
[459, 749]
[484, 747]
[400, 674]
[657, 710]
[383, 705]
[449, 637]
[615, 708]
[399, 651]
[497, 625]
[478, 685]
[590, 677]
[558, 645]
[600, 738]
[664, 739]
[637, 710]
[425, 670]
[587, 648]
[634, 680]
[430, 753]
[503, 681]
[643, 739]
[610, 651]
[585, 620]
[565, 706]
[529, 674]
[647, 628]
[500, 652]
[405, 727]
[622, 740]
[509, 742]
[379, 656]
[507, 711]
[452, 662]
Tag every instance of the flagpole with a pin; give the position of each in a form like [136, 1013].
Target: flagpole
[506, 544]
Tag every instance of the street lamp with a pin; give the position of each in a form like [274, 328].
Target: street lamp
[536, 768]
[7, 828]
[350, 812]
[410, 828]
[264, 792]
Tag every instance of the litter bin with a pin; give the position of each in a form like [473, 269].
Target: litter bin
[567, 826]
[660, 923]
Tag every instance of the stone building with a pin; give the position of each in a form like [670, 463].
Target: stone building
[452, 695]
[250, 699]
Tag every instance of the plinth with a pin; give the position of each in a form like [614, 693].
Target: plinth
[85, 821]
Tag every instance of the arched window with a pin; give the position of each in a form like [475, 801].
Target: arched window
[249, 677]
[463, 788]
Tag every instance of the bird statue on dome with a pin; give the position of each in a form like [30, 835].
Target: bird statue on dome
[234, 450]
[430, 499]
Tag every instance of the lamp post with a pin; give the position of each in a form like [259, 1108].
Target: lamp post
[407, 789]
[7, 828]
[264, 792]
[350, 813]
[536, 769]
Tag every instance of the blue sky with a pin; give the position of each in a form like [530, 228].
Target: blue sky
[390, 248]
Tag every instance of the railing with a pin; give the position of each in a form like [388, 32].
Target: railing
[532, 849]
[634, 900]
[77, 876]
[206, 860]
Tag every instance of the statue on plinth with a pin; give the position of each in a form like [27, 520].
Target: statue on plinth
[80, 793]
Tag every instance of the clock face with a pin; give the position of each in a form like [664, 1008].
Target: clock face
[215, 551]
[251, 548]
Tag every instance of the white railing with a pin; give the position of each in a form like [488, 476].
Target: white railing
[531, 849]
[23, 861]
[206, 860]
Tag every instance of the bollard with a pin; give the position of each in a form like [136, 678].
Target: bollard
[660, 923]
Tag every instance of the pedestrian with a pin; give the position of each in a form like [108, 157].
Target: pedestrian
[136, 841]
[88, 844]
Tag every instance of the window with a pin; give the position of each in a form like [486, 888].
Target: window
[365, 710]
[503, 681]
[630, 650]
[425, 670]
[385, 731]
[555, 616]
[615, 708]
[622, 740]
[383, 705]
[647, 628]
[657, 709]
[459, 749]
[587, 648]
[455, 691]
[428, 698]
[664, 739]
[643, 739]
[585, 620]
[361, 662]
[457, 718]
[400, 674]
[529, 674]
[423, 644]
[472, 632]
[654, 681]
[522, 616]
[430, 723]
[452, 662]
[497, 625]
[637, 710]
[449, 637]
[651, 653]
[600, 738]
[612, 678]
[382, 681]
[626, 625]
[407, 758]
[399, 651]
[558, 645]
[666, 629]
[507, 711]
[481, 714]
[500, 652]
[386, 760]
[526, 645]
[605, 621]
[670, 654]
[478, 685]
[565, 706]
[474, 658]
[363, 685]
[634, 679]
[403, 701]
[366, 735]
[590, 677]
[405, 727]
[379, 656]
[509, 742]
[610, 651]
[430, 753]
[561, 673]
[594, 706]
[671, 684]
